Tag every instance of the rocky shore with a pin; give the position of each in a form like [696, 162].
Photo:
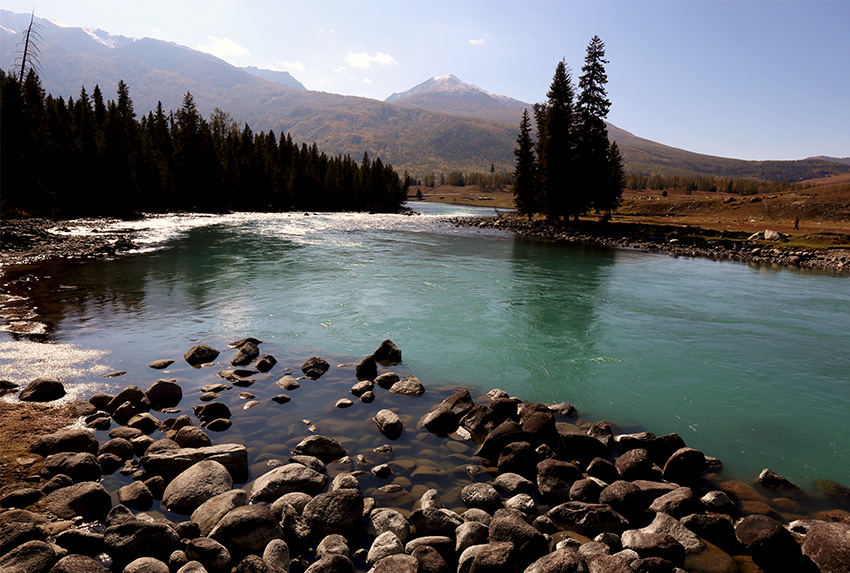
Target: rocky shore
[31, 240]
[472, 485]
[676, 241]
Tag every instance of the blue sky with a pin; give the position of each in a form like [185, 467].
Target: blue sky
[753, 80]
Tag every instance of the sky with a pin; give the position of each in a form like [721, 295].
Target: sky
[743, 79]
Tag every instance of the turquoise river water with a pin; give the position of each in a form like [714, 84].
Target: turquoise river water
[749, 364]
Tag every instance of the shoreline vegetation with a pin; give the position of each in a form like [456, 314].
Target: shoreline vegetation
[462, 484]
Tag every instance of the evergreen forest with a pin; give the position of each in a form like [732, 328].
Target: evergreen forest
[91, 157]
[572, 168]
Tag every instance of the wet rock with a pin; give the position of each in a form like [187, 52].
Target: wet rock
[408, 386]
[471, 533]
[386, 380]
[367, 397]
[315, 367]
[247, 529]
[30, 557]
[334, 512]
[772, 546]
[212, 411]
[387, 353]
[288, 382]
[21, 498]
[684, 466]
[771, 479]
[331, 564]
[668, 525]
[361, 387]
[648, 544]
[280, 399]
[333, 544]
[636, 464]
[218, 425]
[136, 496]
[583, 448]
[677, 503]
[586, 490]
[246, 353]
[15, 533]
[164, 394]
[171, 462]
[79, 467]
[510, 526]
[555, 478]
[144, 422]
[603, 469]
[389, 424]
[288, 478]
[518, 458]
[366, 369]
[265, 362]
[325, 448]
[136, 538]
[77, 440]
[513, 483]
[195, 485]
[208, 552]
[121, 447]
[828, 546]
[506, 433]
[200, 354]
[42, 390]
[718, 502]
[384, 545]
[560, 561]
[495, 558]
[160, 364]
[441, 421]
[593, 518]
[192, 437]
[481, 495]
[209, 513]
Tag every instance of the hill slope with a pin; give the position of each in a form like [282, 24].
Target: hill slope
[442, 124]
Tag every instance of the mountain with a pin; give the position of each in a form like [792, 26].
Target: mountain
[842, 160]
[440, 125]
[284, 79]
[448, 94]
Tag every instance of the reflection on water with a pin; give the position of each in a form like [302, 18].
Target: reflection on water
[747, 364]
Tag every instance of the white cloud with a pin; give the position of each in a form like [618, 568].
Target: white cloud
[294, 66]
[477, 42]
[364, 60]
[224, 48]
[367, 80]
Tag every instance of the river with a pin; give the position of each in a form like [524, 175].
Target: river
[749, 364]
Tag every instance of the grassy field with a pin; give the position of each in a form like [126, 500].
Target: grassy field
[824, 210]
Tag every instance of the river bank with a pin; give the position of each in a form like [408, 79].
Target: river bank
[396, 475]
[676, 240]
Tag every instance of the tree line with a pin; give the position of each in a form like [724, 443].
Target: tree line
[91, 157]
[572, 167]
[709, 183]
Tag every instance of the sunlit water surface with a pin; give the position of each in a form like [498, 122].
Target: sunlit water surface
[749, 364]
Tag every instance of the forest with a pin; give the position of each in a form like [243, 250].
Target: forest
[91, 157]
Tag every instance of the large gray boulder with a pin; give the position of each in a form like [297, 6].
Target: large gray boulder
[78, 440]
[288, 478]
[334, 512]
[828, 545]
[247, 529]
[171, 462]
[135, 538]
[209, 513]
[88, 500]
[194, 486]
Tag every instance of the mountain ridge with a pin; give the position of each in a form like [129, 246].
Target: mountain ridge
[457, 127]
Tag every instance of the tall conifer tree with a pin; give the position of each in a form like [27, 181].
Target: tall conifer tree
[525, 171]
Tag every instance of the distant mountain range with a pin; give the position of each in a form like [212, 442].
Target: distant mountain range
[440, 125]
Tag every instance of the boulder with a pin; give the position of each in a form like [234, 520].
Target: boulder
[79, 467]
[772, 546]
[366, 369]
[333, 544]
[636, 464]
[668, 525]
[265, 362]
[648, 544]
[332, 564]
[209, 513]
[210, 553]
[384, 545]
[200, 354]
[771, 479]
[247, 529]
[518, 458]
[684, 466]
[164, 394]
[88, 500]
[315, 367]
[510, 526]
[560, 561]
[593, 518]
[200, 482]
[387, 519]
[322, 447]
[161, 364]
[136, 495]
[144, 422]
[495, 558]
[386, 380]
[408, 386]
[136, 538]
[76, 563]
[42, 390]
[459, 403]
[441, 421]
[121, 447]
[171, 462]
[677, 503]
[389, 424]
[481, 495]
[212, 411]
[137, 399]
[30, 557]
[291, 477]
[582, 447]
[77, 440]
[17, 533]
[146, 565]
[192, 437]
[828, 546]
[334, 512]
[439, 522]
[362, 387]
[276, 555]
[246, 353]
[387, 353]
[471, 533]
[555, 478]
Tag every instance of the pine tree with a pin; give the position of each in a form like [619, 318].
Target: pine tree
[593, 147]
[556, 145]
[525, 171]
